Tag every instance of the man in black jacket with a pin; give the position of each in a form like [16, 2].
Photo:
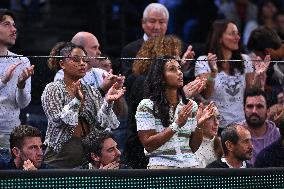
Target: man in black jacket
[273, 155]
[26, 149]
[154, 23]
[237, 146]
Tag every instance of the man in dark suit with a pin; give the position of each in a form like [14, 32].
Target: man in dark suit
[154, 23]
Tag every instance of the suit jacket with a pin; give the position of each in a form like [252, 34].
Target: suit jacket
[129, 51]
[220, 164]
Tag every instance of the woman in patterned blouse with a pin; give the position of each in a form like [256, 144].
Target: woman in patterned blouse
[166, 125]
[73, 109]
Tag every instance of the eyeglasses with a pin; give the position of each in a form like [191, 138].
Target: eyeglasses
[78, 59]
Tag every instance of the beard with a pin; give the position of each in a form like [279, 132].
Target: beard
[255, 121]
[7, 43]
[243, 156]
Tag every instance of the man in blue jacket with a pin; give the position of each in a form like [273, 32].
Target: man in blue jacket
[26, 149]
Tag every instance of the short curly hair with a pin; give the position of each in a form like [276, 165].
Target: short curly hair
[61, 49]
[156, 47]
[93, 143]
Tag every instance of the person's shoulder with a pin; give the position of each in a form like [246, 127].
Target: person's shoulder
[266, 156]
[134, 43]
[99, 71]
[7, 164]
[217, 164]
[3, 163]
[249, 165]
[24, 59]
[46, 166]
[60, 71]
[146, 105]
[58, 83]
[124, 166]
[146, 102]
[273, 147]
[272, 128]
[132, 47]
[59, 75]
[54, 86]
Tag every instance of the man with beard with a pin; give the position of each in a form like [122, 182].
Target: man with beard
[15, 81]
[26, 149]
[237, 146]
[263, 131]
[102, 151]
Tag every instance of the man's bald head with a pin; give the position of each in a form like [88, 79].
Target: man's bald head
[90, 43]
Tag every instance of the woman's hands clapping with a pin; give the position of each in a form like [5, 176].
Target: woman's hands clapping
[204, 114]
[115, 92]
[195, 87]
[184, 114]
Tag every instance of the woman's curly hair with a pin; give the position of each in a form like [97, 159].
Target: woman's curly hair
[61, 49]
[156, 47]
[154, 89]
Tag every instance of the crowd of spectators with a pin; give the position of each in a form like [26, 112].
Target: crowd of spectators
[220, 107]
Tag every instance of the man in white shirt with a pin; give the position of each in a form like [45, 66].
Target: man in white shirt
[15, 84]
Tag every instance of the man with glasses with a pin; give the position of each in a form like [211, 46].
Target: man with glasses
[15, 82]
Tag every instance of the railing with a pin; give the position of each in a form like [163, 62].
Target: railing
[174, 178]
